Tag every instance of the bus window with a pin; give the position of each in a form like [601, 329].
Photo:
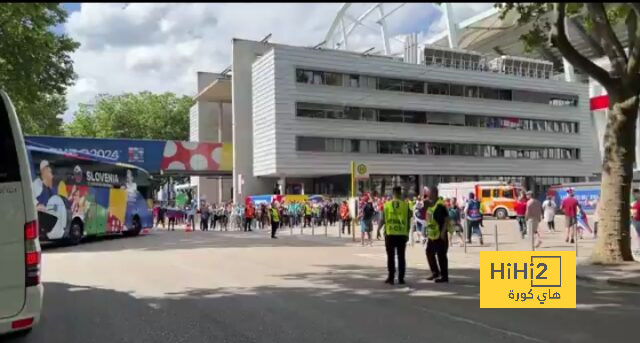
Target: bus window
[496, 193]
[508, 193]
[486, 193]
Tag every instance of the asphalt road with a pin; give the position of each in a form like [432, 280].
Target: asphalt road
[245, 287]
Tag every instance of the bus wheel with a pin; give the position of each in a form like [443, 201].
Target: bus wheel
[137, 227]
[501, 213]
[75, 233]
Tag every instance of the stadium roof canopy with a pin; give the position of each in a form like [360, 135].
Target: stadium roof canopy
[488, 34]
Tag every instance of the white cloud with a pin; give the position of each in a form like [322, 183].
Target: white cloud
[160, 47]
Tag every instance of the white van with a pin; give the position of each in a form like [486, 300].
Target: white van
[20, 287]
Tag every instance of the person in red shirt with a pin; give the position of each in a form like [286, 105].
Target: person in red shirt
[521, 209]
[570, 208]
[635, 213]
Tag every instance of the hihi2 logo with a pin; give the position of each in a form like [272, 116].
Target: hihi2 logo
[527, 279]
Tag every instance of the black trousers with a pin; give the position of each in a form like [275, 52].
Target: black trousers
[396, 244]
[438, 248]
[274, 228]
[204, 224]
[247, 224]
[346, 223]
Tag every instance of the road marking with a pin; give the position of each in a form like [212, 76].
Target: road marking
[482, 325]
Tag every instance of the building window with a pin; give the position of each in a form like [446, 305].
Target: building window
[389, 84]
[434, 149]
[413, 86]
[354, 81]
[415, 117]
[390, 116]
[310, 110]
[310, 144]
[434, 88]
[456, 90]
[437, 88]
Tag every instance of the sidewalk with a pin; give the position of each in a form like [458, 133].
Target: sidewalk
[508, 240]
[627, 274]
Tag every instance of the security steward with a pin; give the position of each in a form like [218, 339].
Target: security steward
[274, 215]
[396, 217]
[437, 243]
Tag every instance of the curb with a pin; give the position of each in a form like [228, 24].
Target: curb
[617, 282]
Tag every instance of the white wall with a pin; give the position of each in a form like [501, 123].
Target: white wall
[244, 53]
[205, 126]
[292, 163]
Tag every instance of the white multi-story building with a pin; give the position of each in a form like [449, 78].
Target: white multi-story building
[300, 115]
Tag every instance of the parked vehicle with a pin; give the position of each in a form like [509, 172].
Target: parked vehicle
[20, 288]
[497, 198]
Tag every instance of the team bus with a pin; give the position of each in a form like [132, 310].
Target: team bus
[79, 195]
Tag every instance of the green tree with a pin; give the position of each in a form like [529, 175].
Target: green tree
[622, 82]
[144, 115]
[35, 63]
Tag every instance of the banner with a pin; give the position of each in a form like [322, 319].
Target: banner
[152, 155]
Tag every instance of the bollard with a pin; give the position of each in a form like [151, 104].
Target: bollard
[301, 229]
[325, 230]
[353, 230]
[313, 231]
[290, 230]
[340, 230]
[533, 236]
[495, 234]
[465, 228]
[575, 235]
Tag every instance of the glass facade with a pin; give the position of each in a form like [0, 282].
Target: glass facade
[325, 111]
[319, 77]
[342, 145]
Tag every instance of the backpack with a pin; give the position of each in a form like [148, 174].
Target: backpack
[368, 211]
[474, 210]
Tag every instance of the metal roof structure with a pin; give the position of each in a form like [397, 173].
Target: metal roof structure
[484, 32]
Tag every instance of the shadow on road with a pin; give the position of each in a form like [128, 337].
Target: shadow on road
[180, 240]
[346, 303]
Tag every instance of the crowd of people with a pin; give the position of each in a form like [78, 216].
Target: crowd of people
[429, 219]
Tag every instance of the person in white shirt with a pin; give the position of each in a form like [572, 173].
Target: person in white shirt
[549, 207]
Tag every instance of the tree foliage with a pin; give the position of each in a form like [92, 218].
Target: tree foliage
[35, 63]
[547, 23]
[144, 115]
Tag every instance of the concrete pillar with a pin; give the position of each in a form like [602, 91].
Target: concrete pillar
[282, 185]
[452, 27]
[569, 75]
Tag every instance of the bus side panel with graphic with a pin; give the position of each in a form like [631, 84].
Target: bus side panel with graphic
[103, 197]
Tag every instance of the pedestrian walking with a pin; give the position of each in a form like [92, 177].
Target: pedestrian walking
[366, 224]
[249, 213]
[549, 208]
[570, 209]
[521, 208]
[204, 217]
[474, 217]
[635, 215]
[161, 214]
[455, 218]
[419, 217]
[437, 238]
[396, 218]
[533, 216]
[274, 217]
[345, 217]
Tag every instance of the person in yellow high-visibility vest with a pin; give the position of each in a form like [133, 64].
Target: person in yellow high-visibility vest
[274, 215]
[437, 237]
[396, 217]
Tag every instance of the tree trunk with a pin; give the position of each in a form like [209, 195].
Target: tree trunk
[614, 240]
